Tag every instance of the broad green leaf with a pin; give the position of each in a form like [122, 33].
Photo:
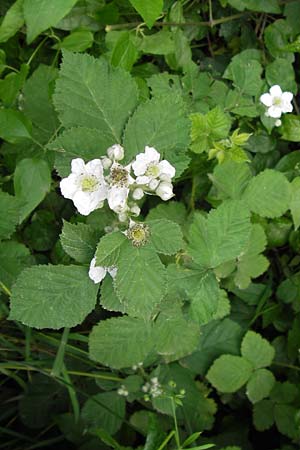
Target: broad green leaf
[285, 419]
[242, 105]
[31, 172]
[174, 211]
[109, 299]
[14, 125]
[79, 241]
[268, 194]
[290, 128]
[281, 72]
[108, 250]
[78, 142]
[260, 385]
[263, 415]
[160, 123]
[92, 94]
[77, 41]
[124, 53]
[12, 22]
[105, 410]
[257, 350]
[11, 85]
[231, 179]
[295, 202]
[217, 338]
[166, 236]
[53, 296]
[10, 207]
[141, 279]
[245, 75]
[14, 257]
[120, 342]
[42, 14]
[221, 237]
[150, 11]
[160, 43]
[229, 373]
[285, 392]
[277, 36]
[251, 264]
[270, 6]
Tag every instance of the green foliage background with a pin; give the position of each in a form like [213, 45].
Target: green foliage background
[210, 305]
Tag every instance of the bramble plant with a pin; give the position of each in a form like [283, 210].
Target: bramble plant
[149, 235]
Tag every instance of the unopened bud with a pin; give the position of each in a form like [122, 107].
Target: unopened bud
[137, 194]
[106, 162]
[165, 191]
[116, 152]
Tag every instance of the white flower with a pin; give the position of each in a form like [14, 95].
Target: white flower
[85, 185]
[123, 391]
[119, 180]
[137, 194]
[116, 152]
[165, 191]
[147, 167]
[97, 273]
[278, 123]
[277, 102]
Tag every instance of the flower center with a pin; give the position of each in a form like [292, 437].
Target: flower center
[277, 101]
[138, 234]
[89, 183]
[153, 170]
[119, 176]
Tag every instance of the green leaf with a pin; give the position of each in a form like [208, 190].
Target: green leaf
[281, 72]
[231, 179]
[120, 342]
[160, 123]
[14, 125]
[285, 392]
[105, 410]
[166, 236]
[124, 53]
[217, 338]
[160, 43]
[221, 237]
[263, 415]
[141, 280]
[149, 11]
[108, 250]
[79, 241]
[42, 14]
[295, 202]
[12, 22]
[53, 296]
[270, 6]
[290, 128]
[92, 94]
[29, 173]
[10, 206]
[245, 75]
[229, 373]
[173, 211]
[14, 257]
[109, 299]
[277, 36]
[268, 194]
[260, 385]
[77, 41]
[251, 264]
[285, 418]
[257, 350]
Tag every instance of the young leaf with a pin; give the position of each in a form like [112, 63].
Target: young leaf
[124, 53]
[77, 41]
[166, 236]
[229, 373]
[53, 296]
[10, 219]
[12, 22]
[268, 194]
[121, 342]
[92, 94]
[149, 11]
[31, 172]
[141, 279]
[79, 241]
[257, 350]
[260, 385]
[42, 14]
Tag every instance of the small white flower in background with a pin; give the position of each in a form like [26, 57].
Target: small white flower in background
[278, 123]
[119, 182]
[97, 273]
[165, 190]
[115, 152]
[148, 168]
[277, 102]
[123, 391]
[85, 185]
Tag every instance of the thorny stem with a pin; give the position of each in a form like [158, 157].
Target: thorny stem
[209, 23]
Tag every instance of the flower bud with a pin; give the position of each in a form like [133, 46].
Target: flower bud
[137, 194]
[153, 184]
[135, 210]
[116, 152]
[165, 190]
[278, 123]
[106, 162]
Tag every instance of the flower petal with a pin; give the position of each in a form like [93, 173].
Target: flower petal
[276, 91]
[117, 197]
[266, 99]
[152, 154]
[287, 96]
[77, 166]
[84, 202]
[69, 186]
[140, 165]
[166, 168]
[143, 180]
[275, 112]
[95, 168]
[96, 273]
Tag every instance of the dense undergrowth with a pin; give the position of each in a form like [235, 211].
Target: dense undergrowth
[151, 299]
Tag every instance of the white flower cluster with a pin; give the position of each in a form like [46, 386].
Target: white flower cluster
[123, 391]
[89, 185]
[277, 103]
[153, 388]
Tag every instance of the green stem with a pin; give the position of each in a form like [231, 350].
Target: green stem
[36, 50]
[288, 366]
[59, 359]
[168, 438]
[177, 439]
